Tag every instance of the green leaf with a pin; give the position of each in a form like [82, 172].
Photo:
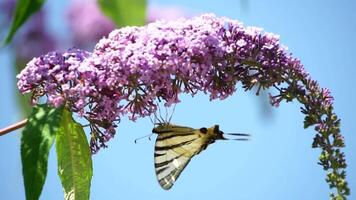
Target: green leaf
[24, 103]
[37, 139]
[24, 9]
[74, 159]
[124, 12]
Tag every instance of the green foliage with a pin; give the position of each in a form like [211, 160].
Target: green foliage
[37, 139]
[23, 103]
[24, 9]
[74, 159]
[124, 12]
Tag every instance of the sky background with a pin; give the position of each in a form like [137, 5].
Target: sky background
[277, 163]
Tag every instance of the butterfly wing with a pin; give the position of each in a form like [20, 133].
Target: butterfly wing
[173, 150]
[168, 171]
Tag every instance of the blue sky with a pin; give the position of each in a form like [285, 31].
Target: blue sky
[277, 164]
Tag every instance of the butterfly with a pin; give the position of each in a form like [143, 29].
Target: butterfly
[176, 145]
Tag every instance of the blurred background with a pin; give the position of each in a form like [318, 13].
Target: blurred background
[277, 164]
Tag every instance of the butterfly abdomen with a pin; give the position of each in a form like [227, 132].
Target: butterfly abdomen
[170, 128]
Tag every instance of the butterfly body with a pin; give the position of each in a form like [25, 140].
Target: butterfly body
[176, 145]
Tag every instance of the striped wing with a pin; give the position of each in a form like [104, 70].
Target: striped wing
[173, 151]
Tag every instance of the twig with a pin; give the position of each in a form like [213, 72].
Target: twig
[13, 127]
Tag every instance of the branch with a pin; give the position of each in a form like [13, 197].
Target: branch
[13, 127]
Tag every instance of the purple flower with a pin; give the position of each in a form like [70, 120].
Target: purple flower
[54, 74]
[88, 23]
[134, 66]
[157, 12]
[34, 39]
[203, 54]
[8, 6]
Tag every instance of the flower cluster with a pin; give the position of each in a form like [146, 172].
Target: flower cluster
[83, 15]
[206, 54]
[158, 12]
[55, 75]
[8, 7]
[87, 22]
[36, 34]
[134, 66]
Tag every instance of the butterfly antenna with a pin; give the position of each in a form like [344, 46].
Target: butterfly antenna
[152, 120]
[241, 136]
[166, 117]
[156, 119]
[149, 137]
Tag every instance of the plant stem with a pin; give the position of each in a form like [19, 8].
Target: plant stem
[13, 127]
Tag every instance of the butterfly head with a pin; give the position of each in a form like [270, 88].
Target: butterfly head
[215, 133]
[219, 135]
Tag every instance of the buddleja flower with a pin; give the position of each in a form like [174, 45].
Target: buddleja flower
[83, 15]
[158, 12]
[87, 23]
[34, 34]
[8, 7]
[134, 66]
